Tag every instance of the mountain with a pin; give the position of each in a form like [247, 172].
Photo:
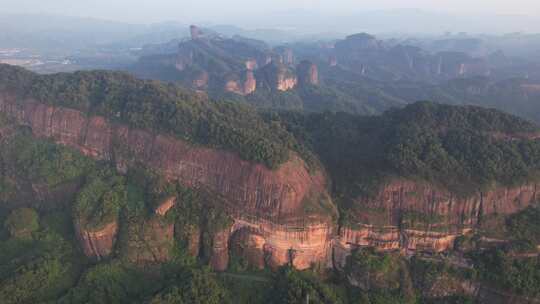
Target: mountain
[115, 189]
[359, 74]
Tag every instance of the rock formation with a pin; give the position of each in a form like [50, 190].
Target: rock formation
[201, 81]
[308, 73]
[274, 196]
[97, 244]
[166, 205]
[415, 216]
[301, 243]
[251, 64]
[277, 76]
[270, 208]
[241, 85]
[286, 55]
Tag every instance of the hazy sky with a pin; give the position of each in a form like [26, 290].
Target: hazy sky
[149, 11]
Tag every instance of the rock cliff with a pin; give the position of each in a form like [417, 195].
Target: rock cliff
[273, 196]
[308, 74]
[301, 243]
[415, 216]
[99, 243]
[281, 216]
[241, 85]
[277, 76]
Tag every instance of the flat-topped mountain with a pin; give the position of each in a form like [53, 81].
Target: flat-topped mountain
[211, 62]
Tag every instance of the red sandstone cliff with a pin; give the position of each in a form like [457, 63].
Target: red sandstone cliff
[277, 76]
[412, 216]
[241, 85]
[248, 186]
[99, 243]
[275, 196]
[301, 243]
[271, 225]
[308, 74]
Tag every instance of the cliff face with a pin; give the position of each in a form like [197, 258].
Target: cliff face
[301, 243]
[242, 85]
[308, 74]
[97, 244]
[250, 189]
[272, 226]
[415, 216]
[363, 54]
[165, 206]
[277, 76]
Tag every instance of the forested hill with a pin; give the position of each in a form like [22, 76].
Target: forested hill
[459, 147]
[158, 106]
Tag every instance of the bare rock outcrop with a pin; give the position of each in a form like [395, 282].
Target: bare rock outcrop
[277, 76]
[166, 205]
[241, 85]
[416, 216]
[271, 198]
[98, 243]
[308, 73]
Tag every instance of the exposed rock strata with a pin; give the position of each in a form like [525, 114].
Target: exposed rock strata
[99, 243]
[263, 243]
[277, 76]
[249, 187]
[274, 196]
[268, 206]
[308, 73]
[166, 205]
[242, 85]
[415, 216]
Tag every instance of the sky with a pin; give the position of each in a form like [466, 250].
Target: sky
[151, 11]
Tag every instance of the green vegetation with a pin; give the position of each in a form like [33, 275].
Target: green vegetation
[39, 269]
[157, 106]
[111, 283]
[384, 276]
[197, 286]
[501, 269]
[42, 161]
[306, 98]
[198, 210]
[445, 145]
[295, 287]
[21, 223]
[100, 200]
[525, 225]
[449, 146]
[253, 287]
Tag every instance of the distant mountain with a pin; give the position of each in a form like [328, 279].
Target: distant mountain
[358, 74]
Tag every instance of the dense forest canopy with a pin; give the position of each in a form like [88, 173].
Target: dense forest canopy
[455, 147]
[157, 106]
